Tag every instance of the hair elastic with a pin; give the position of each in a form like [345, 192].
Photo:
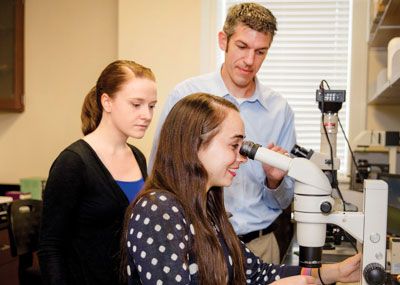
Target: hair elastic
[319, 275]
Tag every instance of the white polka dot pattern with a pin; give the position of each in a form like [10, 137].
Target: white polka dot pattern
[193, 268]
[159, 241]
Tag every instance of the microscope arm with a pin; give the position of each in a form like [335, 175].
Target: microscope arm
[351, 222]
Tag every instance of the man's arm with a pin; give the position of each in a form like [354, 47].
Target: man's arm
[274, 176]
[280, 186]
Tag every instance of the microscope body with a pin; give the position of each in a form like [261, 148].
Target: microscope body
[313, 209]
[367, 227]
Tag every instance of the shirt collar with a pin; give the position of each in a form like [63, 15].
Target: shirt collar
[257, 95]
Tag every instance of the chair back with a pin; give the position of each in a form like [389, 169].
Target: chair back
[24, 218]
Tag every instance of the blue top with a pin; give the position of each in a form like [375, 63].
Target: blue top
[131, 188]
[268, 118]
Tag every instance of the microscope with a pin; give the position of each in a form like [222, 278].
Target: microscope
[314, 208]
[329, 103]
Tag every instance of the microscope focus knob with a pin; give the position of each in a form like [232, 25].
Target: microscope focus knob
[326, 207]
[374, 274]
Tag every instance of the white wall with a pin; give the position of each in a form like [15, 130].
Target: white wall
[67, 44]
[165, 36]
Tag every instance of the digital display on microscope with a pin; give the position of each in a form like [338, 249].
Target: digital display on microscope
[336, 96]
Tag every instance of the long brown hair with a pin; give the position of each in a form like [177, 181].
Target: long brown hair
[112, 78]
[191, 124]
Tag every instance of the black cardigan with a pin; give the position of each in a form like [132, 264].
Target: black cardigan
[83, 213]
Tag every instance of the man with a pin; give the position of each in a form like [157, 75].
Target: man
[259, 192]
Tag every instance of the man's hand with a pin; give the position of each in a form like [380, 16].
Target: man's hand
[274, 175]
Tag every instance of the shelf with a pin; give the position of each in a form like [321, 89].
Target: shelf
[389, 93]
[386, 25]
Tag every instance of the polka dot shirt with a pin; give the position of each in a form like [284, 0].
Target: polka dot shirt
[158, 243]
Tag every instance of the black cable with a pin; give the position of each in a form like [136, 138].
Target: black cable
[349, 238]
[335, 183]
[334, 178]
[355, 164]
[321, 85]
[348, 145]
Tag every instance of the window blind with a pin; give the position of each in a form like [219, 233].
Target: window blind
[311, 44]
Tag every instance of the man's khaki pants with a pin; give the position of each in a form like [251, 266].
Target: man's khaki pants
[265, 247]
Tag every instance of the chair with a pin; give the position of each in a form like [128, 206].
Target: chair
[23, 228]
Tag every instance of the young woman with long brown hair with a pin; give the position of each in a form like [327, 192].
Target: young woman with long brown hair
[177, 230]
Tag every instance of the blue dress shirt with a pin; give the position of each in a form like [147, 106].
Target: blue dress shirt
[268, 119]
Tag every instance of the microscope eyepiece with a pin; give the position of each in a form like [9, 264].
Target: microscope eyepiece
[301, 152]
[249, 149]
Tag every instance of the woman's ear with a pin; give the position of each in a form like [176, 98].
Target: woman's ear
[106, 102]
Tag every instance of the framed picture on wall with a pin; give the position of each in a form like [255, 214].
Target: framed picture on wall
[11, 55]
